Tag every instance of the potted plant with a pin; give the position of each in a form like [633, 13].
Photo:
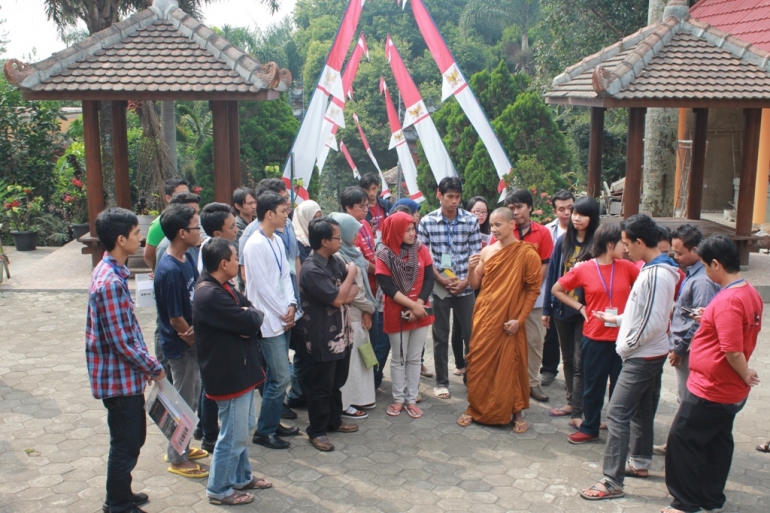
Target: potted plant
[22, 208]
[71, 189]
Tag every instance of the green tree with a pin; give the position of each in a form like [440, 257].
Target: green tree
[3, 37]
[496, 15]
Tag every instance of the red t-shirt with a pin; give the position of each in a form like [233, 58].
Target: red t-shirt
[368, 245]
[585, 275]
[730, 324]
[392, 322]
[539, 236]
[682, 275]
[378, 216]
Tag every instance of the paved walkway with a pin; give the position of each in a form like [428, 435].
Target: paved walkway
[54, 443]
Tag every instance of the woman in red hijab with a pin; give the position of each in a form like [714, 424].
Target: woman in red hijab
[405, 275]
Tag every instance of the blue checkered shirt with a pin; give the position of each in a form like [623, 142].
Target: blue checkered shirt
[460, 238]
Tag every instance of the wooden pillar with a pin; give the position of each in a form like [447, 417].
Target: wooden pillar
[94, 178]
[596, 145]
[680, 135]
[751, 129]
[635, 150]
[120, 154]
[219, 114]
[235, 145]
[697, 165]
[763, 167]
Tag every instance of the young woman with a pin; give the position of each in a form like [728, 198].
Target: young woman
[303, 214]
[405, 275]
[571, 248]
[359, 387]
[606, 282]
[478, 207]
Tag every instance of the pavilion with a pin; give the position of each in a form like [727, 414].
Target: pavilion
[679, 62]
[160, 53]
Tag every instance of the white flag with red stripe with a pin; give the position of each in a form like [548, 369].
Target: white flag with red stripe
[397, 141]
[385, 189]
[307, 144]
[352, 164]
[417, 114]
[454, 83]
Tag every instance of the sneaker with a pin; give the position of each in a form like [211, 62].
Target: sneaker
[354, 413]
[198, 434]
[547, 379]
[581, 438]
[537, 394]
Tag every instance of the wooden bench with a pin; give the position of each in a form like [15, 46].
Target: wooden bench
[135, 262]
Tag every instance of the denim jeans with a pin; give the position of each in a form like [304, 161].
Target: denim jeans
[463, 308]
[275, 351]
[230, 467]
[631, 408]
[600, 362]
[381, 343]
[207, 412]
[187, 381]
[682, 373]
[128, 429]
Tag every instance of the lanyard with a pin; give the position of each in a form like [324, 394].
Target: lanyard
[733, 284]
[687, 277]
[367, 237]
[277, 260]
[604, 283]
[451, 226]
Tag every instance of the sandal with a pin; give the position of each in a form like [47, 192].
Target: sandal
[605, 490]
[257, 483]
[465, 420]
[413, 411]
[425, 372]
[441, 392]
[765, 447]
[559, 412]
[195, 473]
[394, 410]
[632, 471]
[520, 427]
[235, 499]
[354, 413]
[459, 372]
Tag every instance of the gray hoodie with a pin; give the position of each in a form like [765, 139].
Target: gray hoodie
[644, 323]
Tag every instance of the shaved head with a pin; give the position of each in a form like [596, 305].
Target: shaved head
[503, 212]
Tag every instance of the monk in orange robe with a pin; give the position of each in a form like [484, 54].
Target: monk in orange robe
[509, 272]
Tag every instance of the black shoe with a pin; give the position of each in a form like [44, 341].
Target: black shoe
[288, 413]
[139, 499]
[198, 434]
[286, 431]
[270, 441]
[208, 446]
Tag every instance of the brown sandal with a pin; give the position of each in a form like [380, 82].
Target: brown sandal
[632, 471]
[520, 427]
[257, 483]
[235, 499]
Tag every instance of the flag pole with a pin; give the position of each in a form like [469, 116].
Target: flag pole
[292, 178]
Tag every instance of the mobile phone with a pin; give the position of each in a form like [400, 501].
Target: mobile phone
[689, 311]
[429, 310]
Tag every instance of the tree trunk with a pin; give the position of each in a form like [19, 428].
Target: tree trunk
[168, 121]
[108, 165]
[660, 143]
[524, 40]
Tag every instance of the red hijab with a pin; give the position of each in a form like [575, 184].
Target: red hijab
[401, 260]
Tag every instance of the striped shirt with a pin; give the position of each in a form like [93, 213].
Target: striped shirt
[116, 355]
[458, 239]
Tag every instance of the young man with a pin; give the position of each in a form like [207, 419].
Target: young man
[217, 220]
[328, 286]
[245, 206]
[227, 334]
[562, 207]
[700, 444]
[269, 288]
[378, 206]
[174, 285]
[497, 362]
[171, 187]
[643, 345]
[180, 198]
[520, 202]
[119, 365]
[452, 235]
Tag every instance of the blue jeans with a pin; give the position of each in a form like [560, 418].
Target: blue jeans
[381, 343]
[600, 362]
[275, 351]
[230, 467]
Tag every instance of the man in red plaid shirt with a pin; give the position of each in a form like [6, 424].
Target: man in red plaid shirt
[119, 365]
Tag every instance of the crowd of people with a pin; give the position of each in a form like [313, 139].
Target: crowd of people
[240, 287]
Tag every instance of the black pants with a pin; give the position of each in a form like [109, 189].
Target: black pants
[600, 363]
[459, 346]
[699, 453]
[551, 352]
[324, 399]
[127, 422]
[209, 418]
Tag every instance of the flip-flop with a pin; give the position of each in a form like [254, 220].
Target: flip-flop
[195, 473]
[559, 412]
[518, 429]
[394, 411]
[413, 411]
[257, 483]
[235, 499]
[632, 471]
[610, 491]
[465, 420]
[192, 454]
[765, 447]
[459, 372]
[441, 392]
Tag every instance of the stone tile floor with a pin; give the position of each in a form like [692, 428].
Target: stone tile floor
[54, 443]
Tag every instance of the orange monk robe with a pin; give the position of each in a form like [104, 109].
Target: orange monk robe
[497, 378]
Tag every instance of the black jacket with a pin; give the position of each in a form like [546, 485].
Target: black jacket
[227, 335]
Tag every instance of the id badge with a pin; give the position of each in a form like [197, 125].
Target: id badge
[446, 261]
[611, 311]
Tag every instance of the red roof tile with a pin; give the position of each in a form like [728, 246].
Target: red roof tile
[746, 19]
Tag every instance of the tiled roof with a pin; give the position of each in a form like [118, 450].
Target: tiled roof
[679, 60]
[153, 53]
[748, 20]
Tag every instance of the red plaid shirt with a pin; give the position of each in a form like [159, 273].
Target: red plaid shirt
[367, 243]
[116, 355]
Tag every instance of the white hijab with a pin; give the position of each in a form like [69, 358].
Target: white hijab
[303, 214]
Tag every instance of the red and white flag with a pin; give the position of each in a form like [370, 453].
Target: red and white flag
[397, 141]
[454, 83]
[385, 189]
[417, 114]
[352, 164]
[307, 144]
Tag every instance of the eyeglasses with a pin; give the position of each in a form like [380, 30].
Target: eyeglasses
[337, 238]
[193, 228]
[362, 206]
[480, 212]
